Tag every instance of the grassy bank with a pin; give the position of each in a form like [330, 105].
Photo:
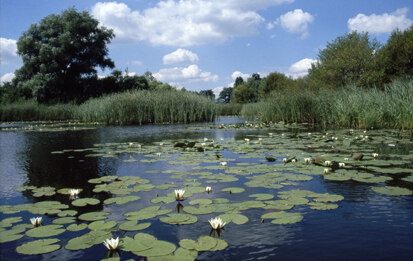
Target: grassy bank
[135, 107]
[347, 107]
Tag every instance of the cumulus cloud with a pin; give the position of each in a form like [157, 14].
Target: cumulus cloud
[8, 50]
[300, 68]
[294, 22]
[217, 91]
[180, 56]
[136, 62]
[7, 77]
[183, 23]
[377, 24]
[192, 73]
[237, 74]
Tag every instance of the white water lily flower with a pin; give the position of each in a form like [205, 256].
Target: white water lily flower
[224, 163]
[285, 160]
[203, 144]
[326, 171]
[74, 193]
[327, 162]
[161, 144]
[247, 140]
[158, 154]
[205, 139]
[36, 221]
[270, 134]
[307, 160]
[179, 194]
[112, 243]
[341, 164]
[216, 223]
[259, 140]
[346, 159]
[130, 144]
[208, 189]
[293, 160]
[375, 155]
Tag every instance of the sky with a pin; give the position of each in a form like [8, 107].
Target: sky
[206, 44]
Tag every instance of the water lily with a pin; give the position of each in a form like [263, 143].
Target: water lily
[293, 160]
[375, 155]
[130, 144]
[326, 171]
[346, 159]
[224, 163]
[247, 140]
[203, 144]
[161, 144]
[36, 221]
[341, 164]
[327, 162]
[259, 140]
[179, 194]
[216, 223]
[208, 189]
[158, 154]
[111, 244]
[74, 193]
[307, 160]
[205, 139]
[285, 160]
[270, 134]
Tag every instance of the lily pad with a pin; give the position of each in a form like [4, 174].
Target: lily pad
[179, 219]
[64, 220]
[81, 202]
[93, 216]
[233, 190]
[45, 231]
[76, 227]
[261, 196]
[392, 191]
[88, 240]
[236, 218]
[283, 217]
[133, 225]
[102, 225]
[41, 246]
[158, 248]
[121, 200]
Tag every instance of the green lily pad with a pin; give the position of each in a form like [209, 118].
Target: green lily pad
[66, 213]
[188, 244]
[392, 191]
[41, 246]
[76, 227]
[201, 210]
[45, 231]
[233, 190]
[261, 196]
[81, 202]
[64, 220]
[145, 213]
[10, 235]
[88, 240]
[322, 206]
[159, 248]
[234, 217]
[8, 222]
[43, 191]
[121, 200]
[93, 216]
[102, 225]
[179, 219]
[201, 201]
[283, 217]
[133, 225]
[206, 243]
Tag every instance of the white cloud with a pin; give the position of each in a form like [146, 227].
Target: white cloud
[377, 24]
[192, 73]
[295, 22]
[237, 74]
[8, 51]
[180, 56]
[300, 68]
[184, 23]
[217, 91]
[7, 77]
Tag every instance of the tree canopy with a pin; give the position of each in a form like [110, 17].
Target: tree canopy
[60, 52]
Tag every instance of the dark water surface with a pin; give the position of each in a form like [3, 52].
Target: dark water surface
[366, 225]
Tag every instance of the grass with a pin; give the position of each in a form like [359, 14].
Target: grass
[347, 107]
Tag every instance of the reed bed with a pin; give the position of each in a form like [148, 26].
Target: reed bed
[32, 111]
[142, 107]
[347, 107]
[229, 109]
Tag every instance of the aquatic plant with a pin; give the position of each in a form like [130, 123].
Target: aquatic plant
[111, 244]
[36, 221]
[179, 194]
[216, 223]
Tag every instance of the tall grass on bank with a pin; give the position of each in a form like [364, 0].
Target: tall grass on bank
[32, 111]
[349, 107]
[141, 107]
[229, 109]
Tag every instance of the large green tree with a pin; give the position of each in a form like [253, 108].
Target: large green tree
[349, 59]
[244, 93]
[395, 59]
[59, 53]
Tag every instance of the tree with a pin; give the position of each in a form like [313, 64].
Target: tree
[243, 94]
[59, 53]
[274, 82]
[225, 95]
[395, 59]
[208, 93]
[238, 81]
[349, 59]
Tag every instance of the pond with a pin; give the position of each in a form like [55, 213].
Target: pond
[341, 205]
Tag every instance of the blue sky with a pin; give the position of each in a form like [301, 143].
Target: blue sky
[206, 44]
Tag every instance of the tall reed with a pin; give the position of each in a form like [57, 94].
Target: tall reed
[32, 111]
[348, 107]
[229, 109]
[141, 107]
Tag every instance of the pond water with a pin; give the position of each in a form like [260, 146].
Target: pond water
[275, 210]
